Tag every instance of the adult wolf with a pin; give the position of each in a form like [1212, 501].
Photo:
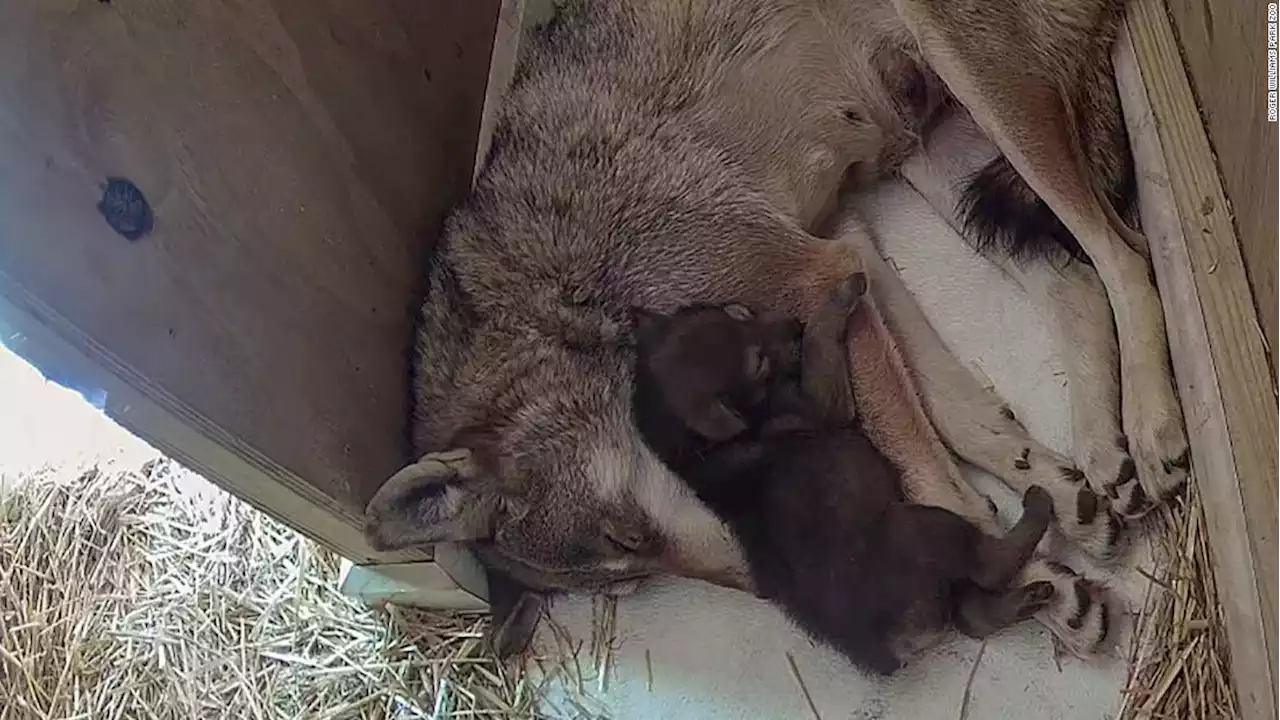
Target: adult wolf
[658, 154]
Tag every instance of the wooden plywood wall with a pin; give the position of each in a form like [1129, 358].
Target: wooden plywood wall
[296, 156]
[1213, 290]
[1224, 45]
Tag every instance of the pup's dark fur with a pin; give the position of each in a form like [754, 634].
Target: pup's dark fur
[516, 610]
[819, 512]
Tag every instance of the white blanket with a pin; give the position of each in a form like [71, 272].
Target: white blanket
[721, 654]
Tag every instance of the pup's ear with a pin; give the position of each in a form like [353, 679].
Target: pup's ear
[516, 611]
[437, 499]
[715, 421]
[648, 325]
[739, 312]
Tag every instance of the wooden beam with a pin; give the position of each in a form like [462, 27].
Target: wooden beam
[1219, 359]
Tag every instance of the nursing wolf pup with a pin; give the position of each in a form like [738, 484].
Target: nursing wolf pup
[820, 513]
[661, 154]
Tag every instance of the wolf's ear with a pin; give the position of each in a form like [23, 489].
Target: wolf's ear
[437, 499]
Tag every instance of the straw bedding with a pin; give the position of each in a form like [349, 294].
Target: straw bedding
[1178, 659]
[151, 594]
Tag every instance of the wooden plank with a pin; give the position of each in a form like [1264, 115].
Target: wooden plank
[1218, 356]
[297, 155]
[1224, 45]
[421, 585]
[502, 63]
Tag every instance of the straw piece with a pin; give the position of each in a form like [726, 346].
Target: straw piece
[804, 689]
[968, 685]
[648, 671]
[604, 634]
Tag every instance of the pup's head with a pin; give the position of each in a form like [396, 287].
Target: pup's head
[713, 367]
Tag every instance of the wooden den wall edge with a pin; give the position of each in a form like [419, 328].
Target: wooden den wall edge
[1219, 358]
